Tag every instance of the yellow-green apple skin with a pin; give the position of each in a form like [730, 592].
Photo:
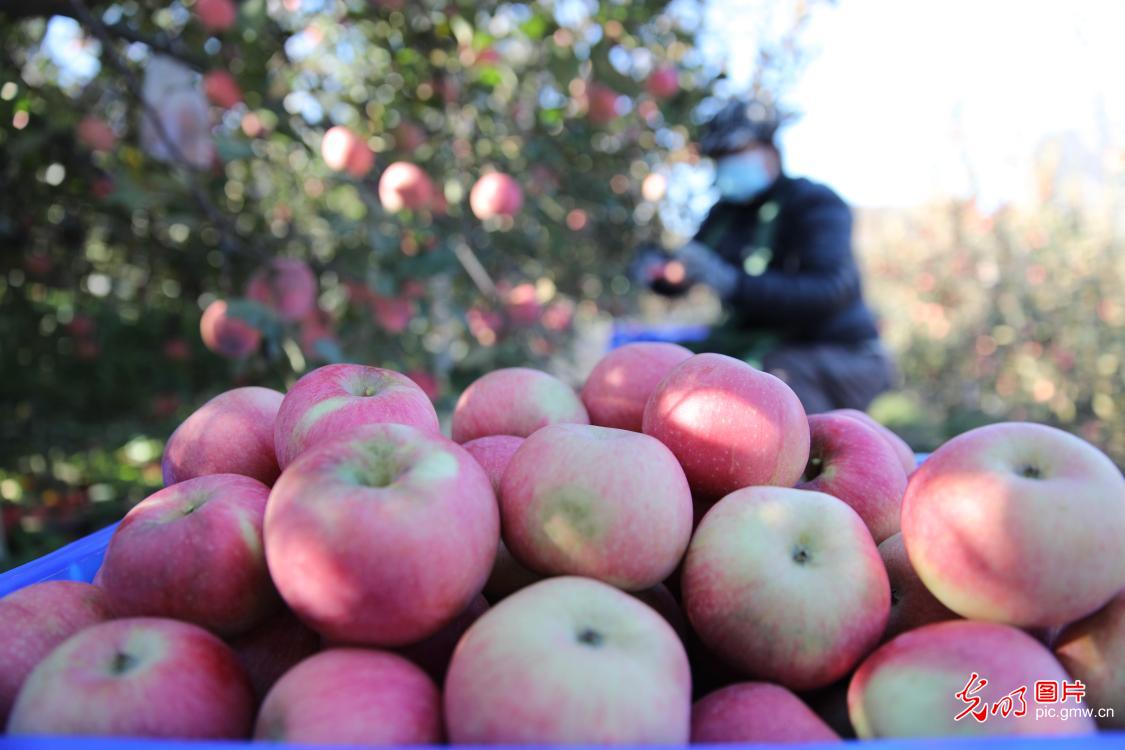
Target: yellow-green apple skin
[1093, 650]
[786, 586]
[909, 686]
[1017, 523]
[569, 661]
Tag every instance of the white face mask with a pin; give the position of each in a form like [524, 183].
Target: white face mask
[740, 177]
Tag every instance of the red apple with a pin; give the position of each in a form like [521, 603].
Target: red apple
[909, 687]
[521, 304]
[405, 187]
[756, 712]
[273, 648]
[193, 552]
[36, 619]
[786, 585]
[601, 104]
[344, 151]
[382, 537]
[230, 434]
[96, 134]
[1017, 523]
[216, 15]
[912, 604]
[409, 137]
[144, 677]
[569, 661]
[222, 89]
[226, 335]
[664, 82]
[904, 452]
[495, 194]
[393, 314]
[427, 381]
[661, 599]
[285, 285]
[620, 384]
[352, 697]
[567, 507]
[434, 653]
[514, 401]
[851, 461]
[335, 400]
[1093, 650]
[730, 425]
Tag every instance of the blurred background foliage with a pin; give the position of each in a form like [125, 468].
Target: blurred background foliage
[118, 233]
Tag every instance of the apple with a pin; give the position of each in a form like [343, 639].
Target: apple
[1017, 523]
[521, 304]
[433, 654]
[405, 187]
[409, 137]
[36, 619]
[273, 648]
[230, 434]
[664, 82]
[222, 89]
[193, 552]
[569, 661]
[348, 696]
[392, 314]
[427, 381]
[619, 386]
[344, 151]
[142, 677]
[909, 686]
[1093, 650]
[227, 335]
[285, 285]
[335, 400]
[912, 604]
[495, 194]
[568, 507]
[216, 15]
[601, 104]
[904, 452]
[729, 424]
[786, 585]
[661, 599]
[851, 461]
[381, 537]
[756, 712]
[95, 134]
[514, 401]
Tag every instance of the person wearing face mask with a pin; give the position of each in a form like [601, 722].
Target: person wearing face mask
[777, 251]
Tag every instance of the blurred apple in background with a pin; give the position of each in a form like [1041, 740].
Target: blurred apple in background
[909, 686]
[664, 82]
[786, 585]
[756, 712]
[569, 661]
[1093, 650]
[96, 134]
[230, 434]
[193, 552]
[404, 186]
[222, 89]
[514, 401]
[36, 619]
[851, 461]
[601, 103]
[143, 677]
[616, 391]
[495, 194]
[216, 15]
[285, 285]
[227, 335]
[344, 151]
[1018, 523]
[352, 697]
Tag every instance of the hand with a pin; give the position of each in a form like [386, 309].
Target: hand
[704, 266]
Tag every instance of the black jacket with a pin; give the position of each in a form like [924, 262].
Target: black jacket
[800, 279]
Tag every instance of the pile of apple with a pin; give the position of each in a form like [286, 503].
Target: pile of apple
[325, 567]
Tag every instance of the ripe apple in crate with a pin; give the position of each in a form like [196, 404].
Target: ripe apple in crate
[912, 604]
[569, 661]
[598, 502]
[901, 448]
[36, 619]
[350, 696]
[332, 401]
[619, 386]
[193, 552]
[382, 537]
[786, 585]
[514, 401]
[1017, 523]
[230, 434]
[1093, 650]
[909, 686]
[142, 677]
[273, 648]
[756, 712]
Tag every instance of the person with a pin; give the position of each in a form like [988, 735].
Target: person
[777, 251]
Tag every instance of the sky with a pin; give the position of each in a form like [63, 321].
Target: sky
[900, 92]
